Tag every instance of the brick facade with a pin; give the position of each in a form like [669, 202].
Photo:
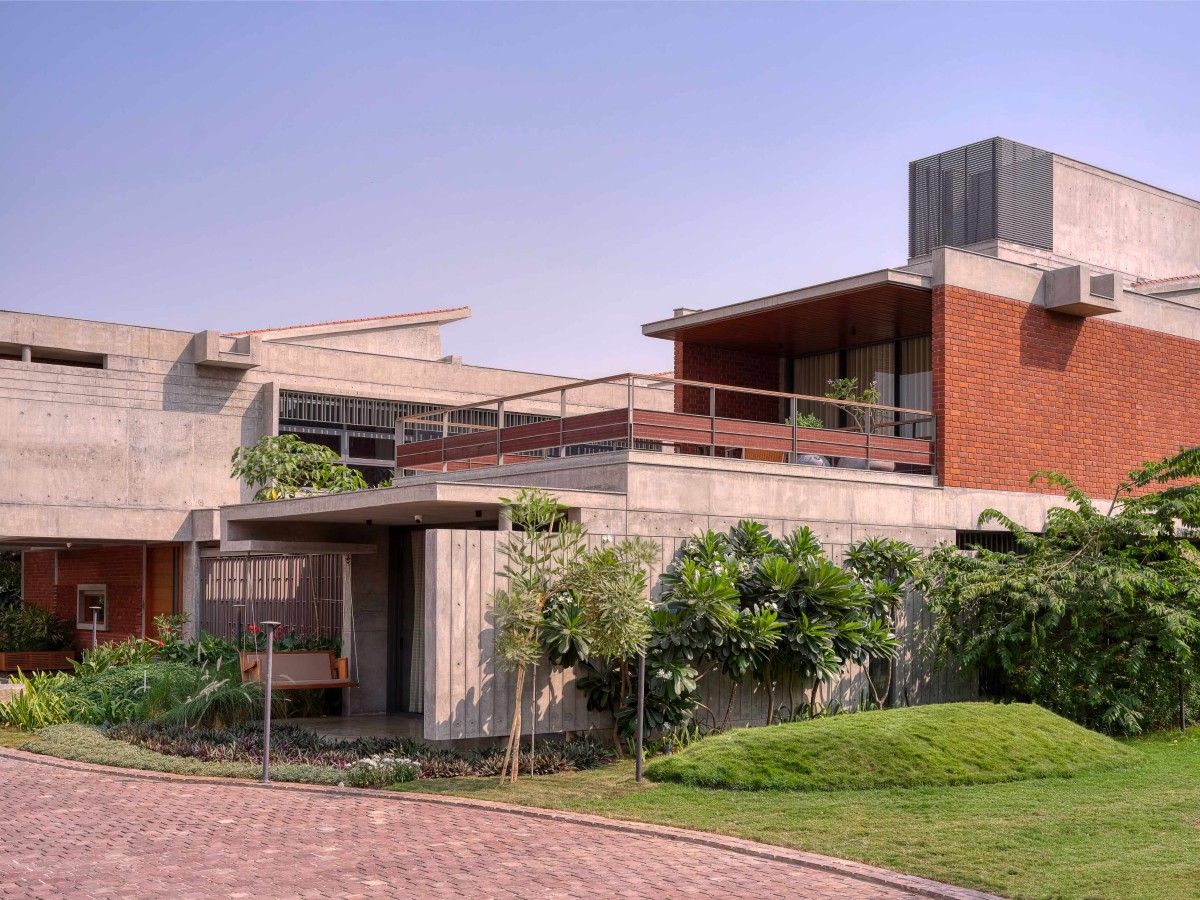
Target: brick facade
[118, 568]
[740, 368]
[1018, 389]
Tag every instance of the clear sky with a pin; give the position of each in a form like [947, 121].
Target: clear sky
[570, 171]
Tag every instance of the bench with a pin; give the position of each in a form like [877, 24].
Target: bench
[298, 670]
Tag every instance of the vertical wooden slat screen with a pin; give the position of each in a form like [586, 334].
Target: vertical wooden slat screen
[302, 592]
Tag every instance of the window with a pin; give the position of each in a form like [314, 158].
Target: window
[901, 370]
[89, 595]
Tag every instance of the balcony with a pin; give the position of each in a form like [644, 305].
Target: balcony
[666, 415]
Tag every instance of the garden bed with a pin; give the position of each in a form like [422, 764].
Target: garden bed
[297, 754]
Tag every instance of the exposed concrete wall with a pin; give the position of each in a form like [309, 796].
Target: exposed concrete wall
[368, 652]
[412, 342]
[127, 451]
[1118, 223]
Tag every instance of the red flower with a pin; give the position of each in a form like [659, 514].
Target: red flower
[280, 631]
[160, 643]
[253, 629]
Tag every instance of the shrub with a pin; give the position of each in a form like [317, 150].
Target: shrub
[380, 771]
[34, 629]
[38, 704]
[1099, 618]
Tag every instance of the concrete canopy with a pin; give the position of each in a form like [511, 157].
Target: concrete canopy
[333, 521]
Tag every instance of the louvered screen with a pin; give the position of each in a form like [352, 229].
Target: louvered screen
[991, 189]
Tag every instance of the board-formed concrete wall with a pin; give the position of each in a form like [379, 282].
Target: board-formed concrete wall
[468, 695]
[127, 451]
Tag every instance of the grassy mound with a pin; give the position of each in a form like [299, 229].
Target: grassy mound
[953, 743]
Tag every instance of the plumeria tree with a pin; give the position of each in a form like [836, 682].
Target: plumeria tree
[887, 569]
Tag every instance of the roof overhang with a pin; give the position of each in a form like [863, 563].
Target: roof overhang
[864, 309]
[423, 502]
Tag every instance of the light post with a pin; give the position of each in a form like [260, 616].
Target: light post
[239, 607]
[641, 717]
[270, 627]
[95, 619]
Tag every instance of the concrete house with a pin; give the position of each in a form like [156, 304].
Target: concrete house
[1047, 316]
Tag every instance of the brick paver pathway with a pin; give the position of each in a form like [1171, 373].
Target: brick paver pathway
[80, 833]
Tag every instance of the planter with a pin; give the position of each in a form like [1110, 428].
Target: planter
[36, 660]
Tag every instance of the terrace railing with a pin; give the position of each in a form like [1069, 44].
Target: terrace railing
[667, 415]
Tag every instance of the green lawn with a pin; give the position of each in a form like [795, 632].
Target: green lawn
[950, 743]
[1124, 833]
[12, 737]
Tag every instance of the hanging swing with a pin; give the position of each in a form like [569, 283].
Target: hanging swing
[303, 670]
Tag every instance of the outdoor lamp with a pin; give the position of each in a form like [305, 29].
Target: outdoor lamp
[95, 618]
[269, 627]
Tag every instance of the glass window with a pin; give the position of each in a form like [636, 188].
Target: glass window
[916, 382]
[368, 445]
[91, 598]
[812, 375]
[874, 365]
[326, 437]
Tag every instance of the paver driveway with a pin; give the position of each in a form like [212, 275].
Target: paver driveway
[70, 833]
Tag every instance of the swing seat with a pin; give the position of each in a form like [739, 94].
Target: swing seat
[299, 670]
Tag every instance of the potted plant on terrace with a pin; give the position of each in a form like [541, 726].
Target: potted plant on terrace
[846, 389]
[807, 420]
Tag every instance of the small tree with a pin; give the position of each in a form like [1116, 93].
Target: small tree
[537, 553]
[887, 569]
[602, 620]
[282, 466]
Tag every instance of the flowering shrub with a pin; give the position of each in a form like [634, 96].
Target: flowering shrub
[379, 771]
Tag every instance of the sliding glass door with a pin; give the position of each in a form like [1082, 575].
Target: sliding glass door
[902, 372]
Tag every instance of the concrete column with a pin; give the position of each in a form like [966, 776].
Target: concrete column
[189, 561]
[26, 354]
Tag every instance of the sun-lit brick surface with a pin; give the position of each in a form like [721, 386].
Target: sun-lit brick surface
[118, 568]
[70, 833]
[1018, 389]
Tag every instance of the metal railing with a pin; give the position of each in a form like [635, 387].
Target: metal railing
[659, 413]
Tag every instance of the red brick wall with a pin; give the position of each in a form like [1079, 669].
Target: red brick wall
[119, 568]
[1018, 389]
[716, 365]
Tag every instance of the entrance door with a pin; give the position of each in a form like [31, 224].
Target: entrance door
[162, 584]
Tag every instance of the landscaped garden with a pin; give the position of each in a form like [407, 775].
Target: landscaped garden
[1081, 783]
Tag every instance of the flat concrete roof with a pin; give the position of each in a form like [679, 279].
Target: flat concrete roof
[437, 502]
[869, 281]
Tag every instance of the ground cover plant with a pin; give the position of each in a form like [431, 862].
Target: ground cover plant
[1126, 833]
[946, 744]
[1097, 619]
[299, 753]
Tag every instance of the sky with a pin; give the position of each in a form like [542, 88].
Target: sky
[570, 171]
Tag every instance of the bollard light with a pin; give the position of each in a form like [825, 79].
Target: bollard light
[641, 720]
[95, 619]
[270, 629]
